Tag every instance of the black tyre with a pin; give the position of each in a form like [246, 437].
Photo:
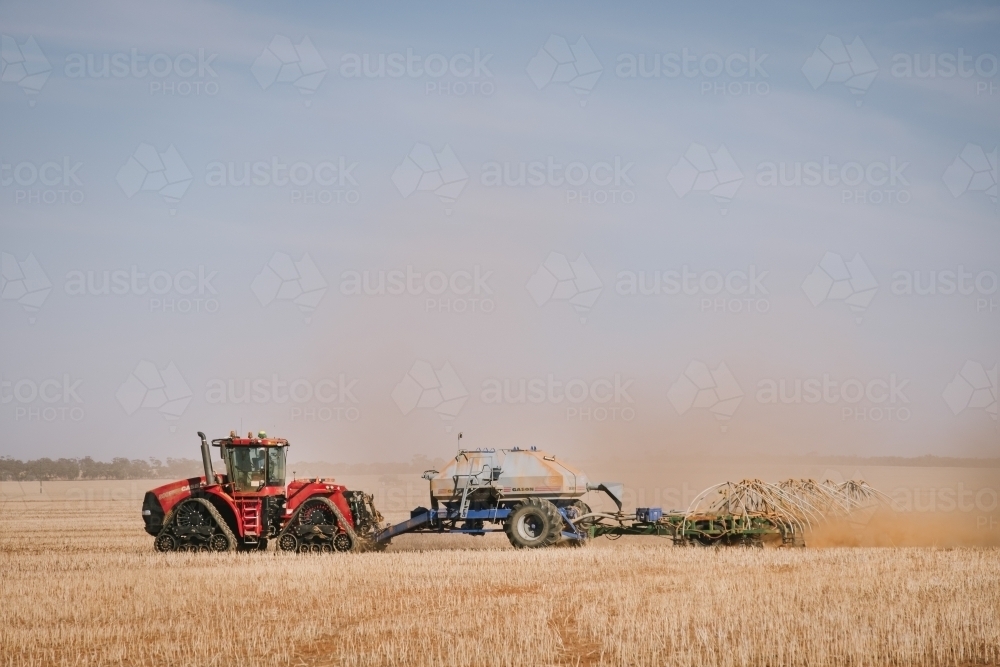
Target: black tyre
[533, 524]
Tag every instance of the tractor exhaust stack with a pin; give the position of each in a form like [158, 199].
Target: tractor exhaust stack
[206, 460]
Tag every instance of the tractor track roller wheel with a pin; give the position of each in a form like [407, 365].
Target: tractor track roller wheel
[287, 542]
[218, 542]
[342, 542]
[165, 542]
[533, 523]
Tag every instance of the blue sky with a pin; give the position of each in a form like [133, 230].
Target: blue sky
[913, 217]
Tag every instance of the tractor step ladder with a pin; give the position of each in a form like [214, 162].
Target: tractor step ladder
[472, 483]
[250, 511]
[464, 508]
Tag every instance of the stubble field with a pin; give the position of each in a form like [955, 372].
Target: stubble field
[82, 586]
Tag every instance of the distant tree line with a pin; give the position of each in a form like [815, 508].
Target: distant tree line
[87, 468]
[123, 468]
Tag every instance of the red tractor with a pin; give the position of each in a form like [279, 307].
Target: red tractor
[250, 505]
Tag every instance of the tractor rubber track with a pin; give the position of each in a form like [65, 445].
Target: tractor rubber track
[214, 513]
[355, 542]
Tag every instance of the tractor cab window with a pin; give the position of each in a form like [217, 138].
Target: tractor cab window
[276, 466]
[247, 466]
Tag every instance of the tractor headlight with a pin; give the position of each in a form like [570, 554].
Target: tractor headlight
[146, 513]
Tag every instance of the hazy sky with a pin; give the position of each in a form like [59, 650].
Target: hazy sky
[713, 227]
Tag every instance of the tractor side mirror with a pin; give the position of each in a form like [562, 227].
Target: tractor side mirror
[430, 474]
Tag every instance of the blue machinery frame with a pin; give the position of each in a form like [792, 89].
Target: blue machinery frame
[423, 520]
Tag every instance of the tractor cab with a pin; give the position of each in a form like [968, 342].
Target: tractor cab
[254, 465]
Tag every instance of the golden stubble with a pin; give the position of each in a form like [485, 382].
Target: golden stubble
[81, 585]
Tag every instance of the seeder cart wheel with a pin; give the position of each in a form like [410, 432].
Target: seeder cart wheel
[534, 523]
